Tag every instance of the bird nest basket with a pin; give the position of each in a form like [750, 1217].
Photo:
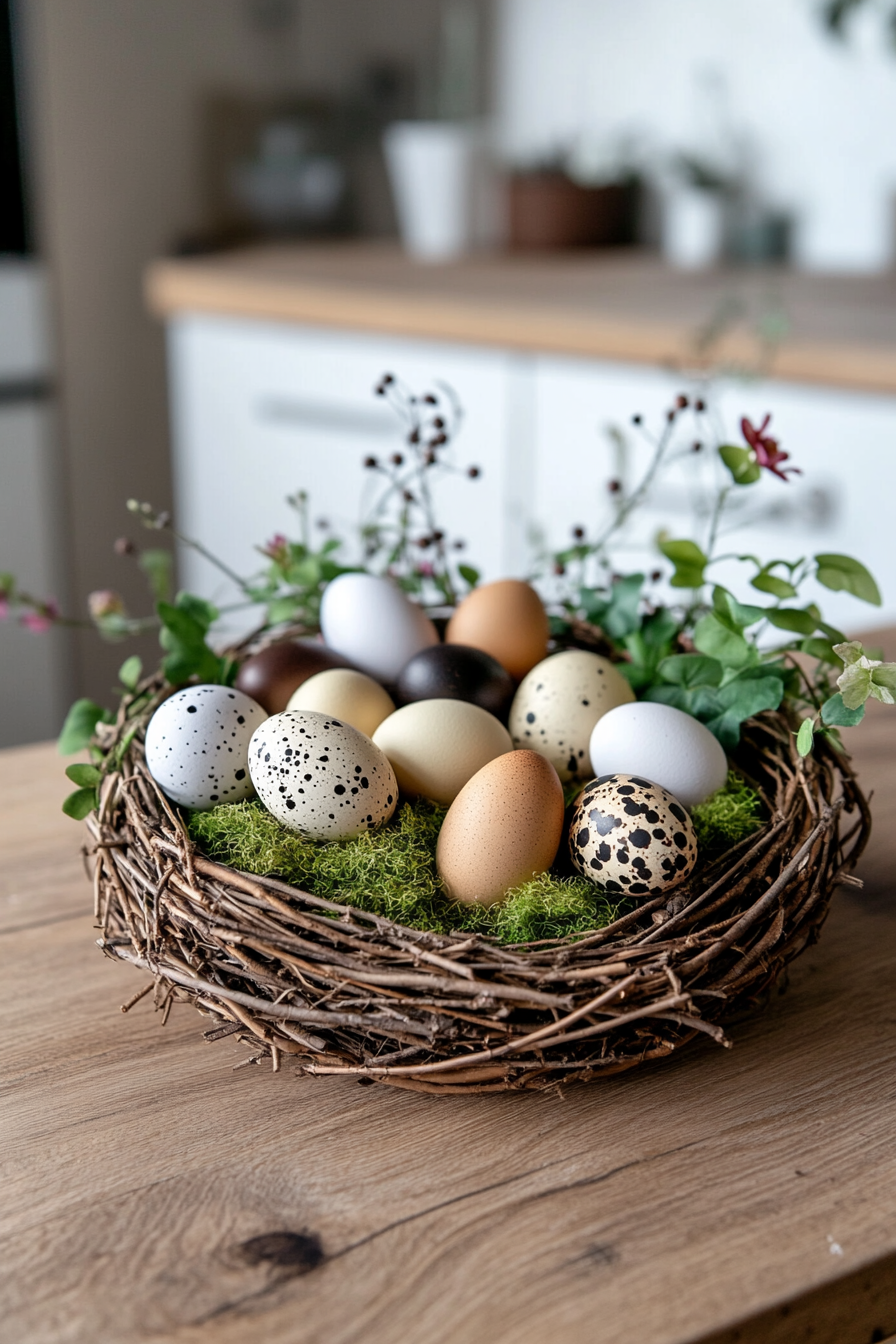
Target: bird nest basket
[338, 990]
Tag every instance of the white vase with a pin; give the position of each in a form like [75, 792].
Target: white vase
[431, 168]
[693, 228]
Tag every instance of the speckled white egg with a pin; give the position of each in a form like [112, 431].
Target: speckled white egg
[663, 744]
[373, 624]
[320, 776]
[558, 703]
[631, 837]
[197, 745]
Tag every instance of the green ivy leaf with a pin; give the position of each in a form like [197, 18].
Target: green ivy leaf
[733, 613]
[85, 776]
[841, 573]
[690, 670]
[771, 583]
[822, 649]
[805, 737]
[80, 725]
[717, 640]
[130, 672]
[740, 699]
[689, 561]
[203, 613]
[791, 618]
[157, 565]
[282, 609]
[80, 804]
[741, 462]
[835, 714]
[469, 575]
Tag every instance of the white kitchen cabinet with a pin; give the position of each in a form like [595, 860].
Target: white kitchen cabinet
[844, 443]
[261, 409]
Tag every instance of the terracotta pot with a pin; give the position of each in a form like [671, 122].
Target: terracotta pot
[548, 210]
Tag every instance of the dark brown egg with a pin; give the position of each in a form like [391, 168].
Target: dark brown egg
[457, 672]
[270, 677]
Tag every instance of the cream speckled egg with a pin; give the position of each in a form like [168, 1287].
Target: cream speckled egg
[320, 776]
[197, 745]
[559, 702]
[660, 743]
[631, 837]
[435, 746]
[350, 696]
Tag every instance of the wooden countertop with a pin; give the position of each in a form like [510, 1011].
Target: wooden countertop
[840, 330]
[152, 1193]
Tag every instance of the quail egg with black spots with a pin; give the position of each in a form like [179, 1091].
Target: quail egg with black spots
[321, 777]
[631, 837]
[197, 745]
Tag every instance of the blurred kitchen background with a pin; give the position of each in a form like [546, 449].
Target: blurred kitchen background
[221, 221]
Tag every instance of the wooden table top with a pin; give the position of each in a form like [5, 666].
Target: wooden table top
[153, 1191]
[837, 330]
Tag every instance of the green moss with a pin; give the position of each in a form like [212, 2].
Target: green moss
[727, 817]
[392, 872]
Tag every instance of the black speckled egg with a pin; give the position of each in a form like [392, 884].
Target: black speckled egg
[457, 672]
[631, 837]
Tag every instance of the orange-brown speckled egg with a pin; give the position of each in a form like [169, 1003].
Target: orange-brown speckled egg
[506, 619]
[504, 827]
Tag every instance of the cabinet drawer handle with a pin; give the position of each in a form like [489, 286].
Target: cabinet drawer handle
[326, 415]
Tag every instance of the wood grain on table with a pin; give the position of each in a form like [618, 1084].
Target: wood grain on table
[599, 304]
[151, 1192]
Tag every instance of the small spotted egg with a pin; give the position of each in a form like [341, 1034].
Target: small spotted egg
[631, 837]
[320, 776]
[197, 745]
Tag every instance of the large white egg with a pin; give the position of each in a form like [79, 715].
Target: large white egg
[558, 703]
[320, 776]
[197, 745]
[435, 746]
[373, 624]
[664, 745]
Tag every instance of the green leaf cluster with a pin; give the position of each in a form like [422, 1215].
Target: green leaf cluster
[185, 624]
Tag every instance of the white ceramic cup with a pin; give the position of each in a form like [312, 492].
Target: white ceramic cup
[693, 228]
[431, 165]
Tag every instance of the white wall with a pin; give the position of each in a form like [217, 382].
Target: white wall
[820, 116]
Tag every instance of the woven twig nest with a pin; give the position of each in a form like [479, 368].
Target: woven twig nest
[344, 991]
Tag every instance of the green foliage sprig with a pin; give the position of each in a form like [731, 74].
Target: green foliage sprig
[714, 656]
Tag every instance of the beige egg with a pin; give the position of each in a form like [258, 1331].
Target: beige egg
[506, 619]
[559, 702]
[351, 696]
[504, 827]
[435, 746]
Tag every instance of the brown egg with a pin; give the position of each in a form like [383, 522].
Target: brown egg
[506, 619]
[270, 677]
[503, 827]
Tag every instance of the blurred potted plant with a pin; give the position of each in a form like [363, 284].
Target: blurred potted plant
[588, 196]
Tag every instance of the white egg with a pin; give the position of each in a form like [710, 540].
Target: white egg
[664, 745]
[197, 745]
[320, 776]
[559, 702]
[373, 624]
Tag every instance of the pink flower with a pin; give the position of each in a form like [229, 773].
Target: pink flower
[4, 606]
[766, 449]
[105, 602]
[425, 570]
[41, 620]
[277, 549]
